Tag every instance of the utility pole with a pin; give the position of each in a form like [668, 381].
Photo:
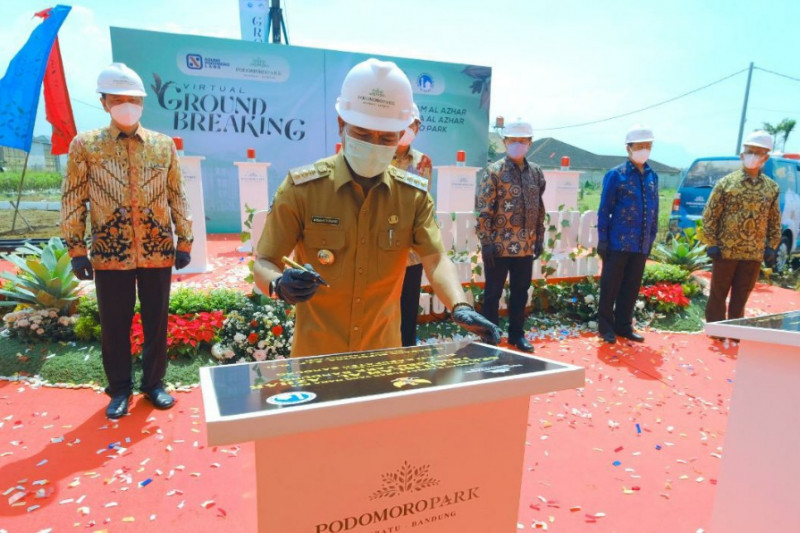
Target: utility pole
[276, 23]
[744, 110]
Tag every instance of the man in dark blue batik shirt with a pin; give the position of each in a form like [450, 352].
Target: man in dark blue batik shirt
[627, 222]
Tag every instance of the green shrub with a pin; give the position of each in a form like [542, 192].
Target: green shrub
[685, 250]
[87, 306]
[45, 279]
[185, 301]
[574, 300]
[690, 288]
[664, 273]
[87, 328]
[34, 181]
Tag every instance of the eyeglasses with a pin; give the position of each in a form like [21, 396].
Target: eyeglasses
[757, 154]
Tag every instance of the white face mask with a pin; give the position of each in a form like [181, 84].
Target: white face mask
[516, 150]
[640, 157]
[366, 159]
[751, 161]
[127, 114]
[407, 138]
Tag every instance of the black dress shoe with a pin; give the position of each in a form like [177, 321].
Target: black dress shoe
[521, 344]
[632, 336]
[609, 337]
[159, 398]
[118, 406]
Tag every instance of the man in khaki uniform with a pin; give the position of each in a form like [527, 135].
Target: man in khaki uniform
[352, 220]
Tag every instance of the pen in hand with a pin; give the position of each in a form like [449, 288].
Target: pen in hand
[298, 266]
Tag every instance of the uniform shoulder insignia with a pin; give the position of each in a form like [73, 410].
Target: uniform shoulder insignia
[308, 173]
[409, 179]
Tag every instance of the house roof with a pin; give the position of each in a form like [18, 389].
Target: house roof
[547, 153]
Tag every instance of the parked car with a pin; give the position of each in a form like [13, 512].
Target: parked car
[696, 185]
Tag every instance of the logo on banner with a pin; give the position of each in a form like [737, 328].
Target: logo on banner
[425, 82]
[409, 381]
[405, 479]
[194, 61]
[291, 398]
[405, 482]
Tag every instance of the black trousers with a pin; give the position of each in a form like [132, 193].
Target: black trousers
[409, 305]
[620, 281]
[519, 271]
[116, 296]
[736, 277]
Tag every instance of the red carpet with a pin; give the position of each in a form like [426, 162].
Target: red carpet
[637, 450]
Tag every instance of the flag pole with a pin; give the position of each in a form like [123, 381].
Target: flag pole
[19, 195]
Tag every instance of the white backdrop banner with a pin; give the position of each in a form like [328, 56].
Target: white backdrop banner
[224, 96]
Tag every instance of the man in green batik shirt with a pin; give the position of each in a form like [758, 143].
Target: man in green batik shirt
[741, 227]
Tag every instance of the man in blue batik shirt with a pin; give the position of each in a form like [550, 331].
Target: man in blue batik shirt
[627, 222]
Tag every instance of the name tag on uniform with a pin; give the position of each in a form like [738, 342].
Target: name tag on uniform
[325, 220]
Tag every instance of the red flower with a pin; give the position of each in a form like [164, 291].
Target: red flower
[665, 296]
[183, 331]
[277, 330]
[252, 338]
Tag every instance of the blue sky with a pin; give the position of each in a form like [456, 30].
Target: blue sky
[555, 63]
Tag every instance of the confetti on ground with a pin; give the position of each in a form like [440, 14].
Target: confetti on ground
[674, 389]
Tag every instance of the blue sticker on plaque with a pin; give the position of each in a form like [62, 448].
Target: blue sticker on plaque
[291, 398]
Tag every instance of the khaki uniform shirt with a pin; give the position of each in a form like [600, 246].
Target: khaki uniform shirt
[135, 192]
[420, 164]
[321, 208]
[742, 216]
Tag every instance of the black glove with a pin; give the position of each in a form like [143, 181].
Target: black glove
[538, 248]
[474, 322]
[770, 256]
[602, 248]
[295, 285]
[182, 260]
[82, 267]
[487, 254]
[714, 252]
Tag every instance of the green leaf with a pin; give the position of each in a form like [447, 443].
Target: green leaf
[19, 262]
[245, 236]
[38, 269]
[63, 266]
[54, 287]
[69, 288]
[49, 258]
[19, 296]
[45, 299]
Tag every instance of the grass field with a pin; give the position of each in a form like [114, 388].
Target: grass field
[38, 186]
[591, 200]
[80, 362]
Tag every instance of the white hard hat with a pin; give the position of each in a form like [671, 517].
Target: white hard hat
[639, 134]
[759, 138]
[415, 112]
[117, 78]
[518, 128]
[376, 95]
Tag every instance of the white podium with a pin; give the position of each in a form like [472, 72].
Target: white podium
[562, 189]
[253, 191]
[455, 188]
[193, 181]
[759, 478]
[427, 439]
